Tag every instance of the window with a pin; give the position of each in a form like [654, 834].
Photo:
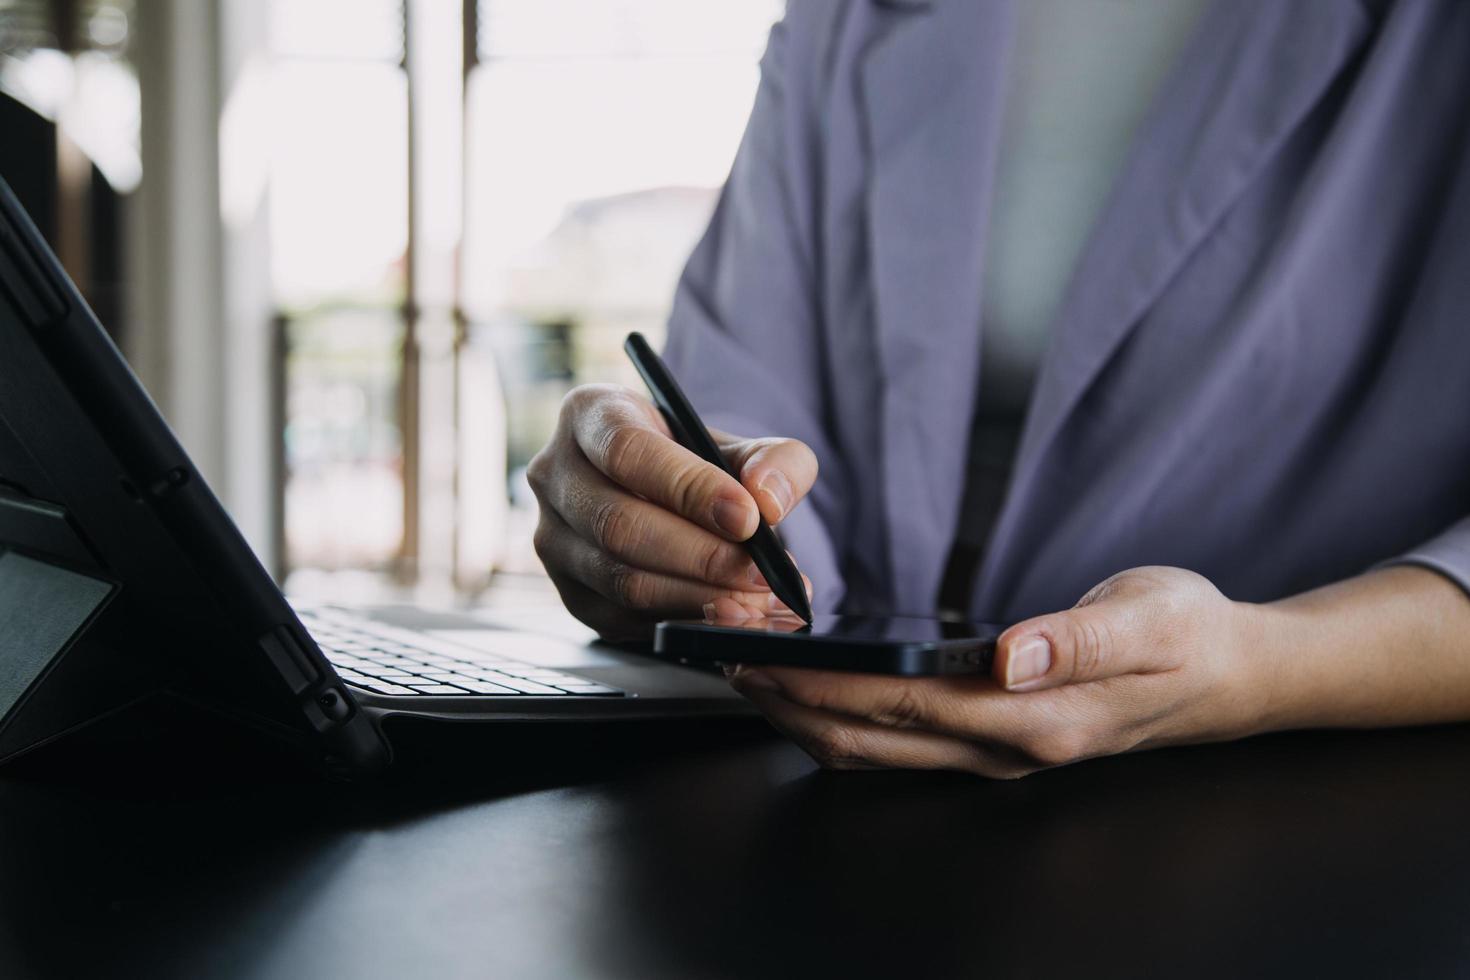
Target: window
[598, 136]
[470, 204]
[339, 239]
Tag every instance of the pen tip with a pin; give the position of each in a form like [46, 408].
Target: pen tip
[803, 611]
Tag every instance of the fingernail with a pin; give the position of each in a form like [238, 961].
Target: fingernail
[778, 488]
[709, 611]
[754, 577]
[730, 517]
[758, 679]
[1030, 660]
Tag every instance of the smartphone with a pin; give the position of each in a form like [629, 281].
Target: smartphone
[900, 645]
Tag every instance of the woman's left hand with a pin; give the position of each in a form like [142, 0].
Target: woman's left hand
[1152, 656]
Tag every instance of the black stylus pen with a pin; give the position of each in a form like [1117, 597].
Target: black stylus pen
[764, 547]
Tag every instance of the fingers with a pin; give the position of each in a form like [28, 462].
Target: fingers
[617, 434]
[1014, 735]
[967, 707]
[648, 593]
[641, 534]
[837, 741]
[1113, 631]
[778, 473]
[634, 526]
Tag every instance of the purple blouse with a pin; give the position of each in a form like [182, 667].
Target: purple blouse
[1260, 370]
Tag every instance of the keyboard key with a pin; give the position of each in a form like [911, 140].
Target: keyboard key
[480, 659]
[383, 688]
[437, 689]
[402, 649]
[386, 672]
[455, 676]
[485, 674]
[485, 687]
[525, 686]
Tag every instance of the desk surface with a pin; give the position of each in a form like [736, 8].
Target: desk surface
[720, 851]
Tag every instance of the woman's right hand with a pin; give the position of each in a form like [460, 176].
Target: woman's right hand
[635, 528]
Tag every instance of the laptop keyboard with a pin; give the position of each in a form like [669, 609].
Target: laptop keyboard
[391, 661]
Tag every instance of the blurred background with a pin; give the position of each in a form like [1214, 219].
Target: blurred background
[359, 249]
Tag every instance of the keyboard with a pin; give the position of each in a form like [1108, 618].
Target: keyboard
[386, 660]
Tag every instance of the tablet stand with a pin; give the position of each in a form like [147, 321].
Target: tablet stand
[56, 673]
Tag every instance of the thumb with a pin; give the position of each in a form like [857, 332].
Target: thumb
[1103, 638]
[778, 473]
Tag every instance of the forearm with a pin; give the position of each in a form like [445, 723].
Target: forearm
[1391, 647]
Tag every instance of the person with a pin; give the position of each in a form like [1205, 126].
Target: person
[1143, 326]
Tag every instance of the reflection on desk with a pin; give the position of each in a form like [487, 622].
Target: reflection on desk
[718, 851]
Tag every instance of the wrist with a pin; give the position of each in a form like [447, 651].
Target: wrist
[1384, 648]
[1261, 678]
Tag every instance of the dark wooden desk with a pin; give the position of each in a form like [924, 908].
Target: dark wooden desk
[712, 852]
